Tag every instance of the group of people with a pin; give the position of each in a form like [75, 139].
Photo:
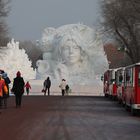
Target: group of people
[17, 89]
[47, 84]
[19, 85]
[64, 87]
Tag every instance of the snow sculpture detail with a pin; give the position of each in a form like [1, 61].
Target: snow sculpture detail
[73, 52]
[13, 59]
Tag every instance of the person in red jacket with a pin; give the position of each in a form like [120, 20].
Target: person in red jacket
[28, 87]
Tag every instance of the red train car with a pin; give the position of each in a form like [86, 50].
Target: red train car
[120, 84]
[110, 87]
[132, 87]
[112, 84]
[106, 82]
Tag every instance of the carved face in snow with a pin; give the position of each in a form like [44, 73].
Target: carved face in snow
[70, 52]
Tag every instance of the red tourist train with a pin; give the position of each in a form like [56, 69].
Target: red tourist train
[110, 87]
[106, 82]
[124, 84]
[120, 85]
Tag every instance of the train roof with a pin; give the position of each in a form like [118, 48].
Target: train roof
[133, 65]
[123, 68]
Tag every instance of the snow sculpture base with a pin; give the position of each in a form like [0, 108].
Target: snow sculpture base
[76, 90]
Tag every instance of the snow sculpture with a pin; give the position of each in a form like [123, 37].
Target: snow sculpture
[13, 59]
[73, 52]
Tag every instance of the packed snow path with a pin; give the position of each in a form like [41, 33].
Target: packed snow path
[67, 118]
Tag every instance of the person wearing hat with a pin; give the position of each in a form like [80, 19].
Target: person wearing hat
[18, 88]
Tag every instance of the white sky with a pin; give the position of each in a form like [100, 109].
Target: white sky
[28, 18]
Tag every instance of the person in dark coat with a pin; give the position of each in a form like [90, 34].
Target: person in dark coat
[47, 85]
[18, 88]
[67, 89]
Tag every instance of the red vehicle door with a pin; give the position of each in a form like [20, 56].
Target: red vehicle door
[137, 85]
[114, 89]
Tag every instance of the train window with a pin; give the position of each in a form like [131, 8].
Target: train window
[139, 77]
[120, 78]
[129, 77]
[124, 79]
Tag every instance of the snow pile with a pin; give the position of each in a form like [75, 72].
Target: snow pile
[13, 59]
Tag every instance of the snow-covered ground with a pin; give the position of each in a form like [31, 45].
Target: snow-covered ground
[37, 86]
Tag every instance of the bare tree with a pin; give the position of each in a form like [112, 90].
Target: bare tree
[4, 10]
[34, 52]
[121, 21]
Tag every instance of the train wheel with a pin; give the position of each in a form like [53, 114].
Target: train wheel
[126, 107]
[133, 111]
[120, 101]
[106, 95]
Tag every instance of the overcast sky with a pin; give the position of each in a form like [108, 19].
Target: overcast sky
[28, 18]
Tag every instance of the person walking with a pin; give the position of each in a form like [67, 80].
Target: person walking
[63, 86]
[28, 87]
[67, 89]
[7, 82]
[47, 85]
[18, 88]
[3, 89]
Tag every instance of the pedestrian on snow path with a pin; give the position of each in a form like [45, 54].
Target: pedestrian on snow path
[18, 88]
[28, 87]
[47, 85]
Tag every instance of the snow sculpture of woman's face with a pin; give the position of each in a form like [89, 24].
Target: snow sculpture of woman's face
[70, 53]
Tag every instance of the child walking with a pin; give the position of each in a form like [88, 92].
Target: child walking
[28, 87]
